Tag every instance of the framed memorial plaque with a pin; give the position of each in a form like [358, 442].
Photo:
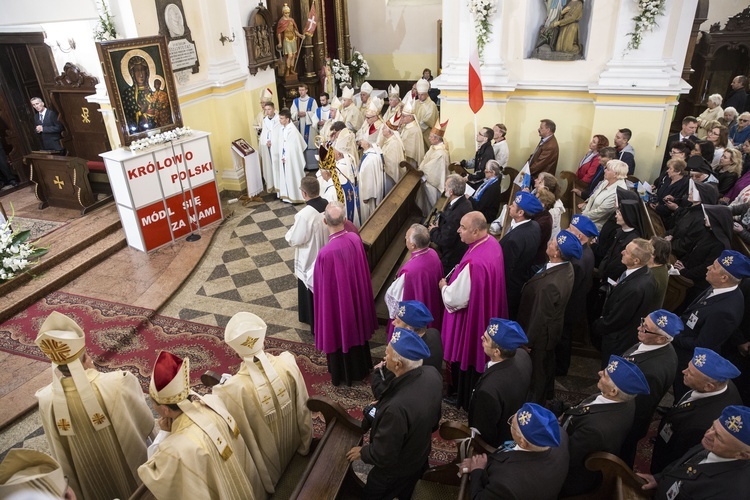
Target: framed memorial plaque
[173, 24]
[141, 86]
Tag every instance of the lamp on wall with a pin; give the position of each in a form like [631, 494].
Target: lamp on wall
[225, 38]
[71, 46]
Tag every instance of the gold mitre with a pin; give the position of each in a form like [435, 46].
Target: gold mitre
[394, 91]
[266, 96]
[439, 129]
[170, 381]
[423, 86]
[373, 108]
[24, 470]
[347, 93]
[335, 103]
[408, 108]
[61, 339]
[245, 333]
[366, 88]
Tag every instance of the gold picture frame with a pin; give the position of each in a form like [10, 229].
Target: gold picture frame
[140, 83]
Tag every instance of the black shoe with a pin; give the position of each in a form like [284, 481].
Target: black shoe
[451, 400]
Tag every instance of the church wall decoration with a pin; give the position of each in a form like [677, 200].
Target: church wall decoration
[141, 87]
[173, 25]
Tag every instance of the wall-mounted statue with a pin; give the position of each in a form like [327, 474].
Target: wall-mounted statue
[287, 34]
[558, 38]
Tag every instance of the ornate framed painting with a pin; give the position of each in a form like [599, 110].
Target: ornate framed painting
[141, 86]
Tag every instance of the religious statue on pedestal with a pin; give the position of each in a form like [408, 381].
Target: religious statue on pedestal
[287, 34]
[558, 38]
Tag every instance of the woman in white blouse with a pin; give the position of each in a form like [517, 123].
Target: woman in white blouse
[601, 203]
[500, 145]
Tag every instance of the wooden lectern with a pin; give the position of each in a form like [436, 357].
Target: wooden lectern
[61, 181]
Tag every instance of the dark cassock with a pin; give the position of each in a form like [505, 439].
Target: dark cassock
[345, 316]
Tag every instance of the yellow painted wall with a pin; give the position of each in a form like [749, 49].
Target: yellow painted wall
[578, 116]
[398, 66]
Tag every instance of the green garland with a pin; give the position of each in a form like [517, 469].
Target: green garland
[645, 21]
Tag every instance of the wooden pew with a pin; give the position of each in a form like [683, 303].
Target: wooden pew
[384, 231]
[572, 181]
[328, 466]
[739, 245]
[619, 482]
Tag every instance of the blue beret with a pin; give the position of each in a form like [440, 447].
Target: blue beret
[414, 313]
[584, 225]
[506, 333]
[528, 203]
[713, 366]
[569, 245]
[409, 345]
[627, 376]
[538, 425]
[736, 420]
[735, 263]
[668, 322]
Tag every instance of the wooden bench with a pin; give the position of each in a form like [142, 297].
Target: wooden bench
[619, 482]
[384, 231]
[572, 182]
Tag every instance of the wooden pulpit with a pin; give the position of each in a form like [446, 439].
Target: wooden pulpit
[60, 181]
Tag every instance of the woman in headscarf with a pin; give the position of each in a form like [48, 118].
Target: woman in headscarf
[689, 221]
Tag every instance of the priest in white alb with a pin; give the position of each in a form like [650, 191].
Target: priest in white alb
[394, 103]
[393, 154]
[268, 398]
[425, 110]
[265, 97]
[411, 135]
[291, 158]
[350, 113]
[322, 115]
[371, 178]
[362, 100]
[434, 166]
[370, 129]
[324, 130]
[265, 142]
[199, 452]
[303, 114]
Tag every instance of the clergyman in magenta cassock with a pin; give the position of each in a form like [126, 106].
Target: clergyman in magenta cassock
[345, 317]
[419, 281]
[466, 318]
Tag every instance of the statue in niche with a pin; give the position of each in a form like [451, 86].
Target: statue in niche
[287, 34]
[558, 38]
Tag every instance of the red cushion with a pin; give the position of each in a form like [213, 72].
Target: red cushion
[96, 166]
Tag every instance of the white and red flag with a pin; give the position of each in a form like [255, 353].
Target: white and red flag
[312, 20]
[476, 94]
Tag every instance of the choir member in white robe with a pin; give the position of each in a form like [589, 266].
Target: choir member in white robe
[434, 166]
[394, 103]
[96, 424]
[303, 115]
[265, 142]
[265, 97]
[198, 452]
[371, 179]
[268, 398]
[370, 129]
[425, 110]
[322, 116]
[393, 155]
[350, 113]
[411, 136]
[362, 100]
[333, 117]
[291, 158]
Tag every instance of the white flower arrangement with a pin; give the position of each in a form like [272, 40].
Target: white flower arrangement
[359, 65]
[17, 254]
[153, 140]
[482, 11]
[645, 20]
[340, 73]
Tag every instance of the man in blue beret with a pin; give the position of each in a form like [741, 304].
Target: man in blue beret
[411, 315]
[656, 358]
[712, 318]
[401, 434]
[719, 467]
[583, 269]
[628, 301]
[707, 377]
[519, 245]
[505, 383]
[537, 445]
[601, 422]
[542, 311]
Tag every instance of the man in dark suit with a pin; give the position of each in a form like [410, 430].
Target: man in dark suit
[689, 126]
[47, 125]
[656, 358]
[717, 468]
[601, 422]
[519, 246]
[712, 318]
[583, 268]
[681, 428]
[538, 446]
[544, 157]
[542, 311]
[625, 151]
[444, 233]
[503, 386]
[627, 302]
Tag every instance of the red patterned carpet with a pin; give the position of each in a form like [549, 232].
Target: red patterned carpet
[119, 336]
